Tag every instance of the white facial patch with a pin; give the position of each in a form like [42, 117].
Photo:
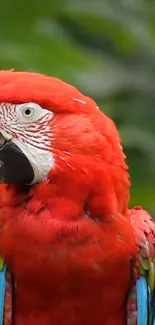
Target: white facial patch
[41, 160]
[28, 126]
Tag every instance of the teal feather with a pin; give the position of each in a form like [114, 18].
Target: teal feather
[142, 301]
[2, 292]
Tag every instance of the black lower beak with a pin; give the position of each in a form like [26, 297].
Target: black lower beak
[15, 168]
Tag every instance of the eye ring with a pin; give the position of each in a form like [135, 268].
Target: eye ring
[29, 112]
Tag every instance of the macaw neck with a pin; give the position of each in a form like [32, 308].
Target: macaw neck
[66, 199]
[44, 191]
[62, 203]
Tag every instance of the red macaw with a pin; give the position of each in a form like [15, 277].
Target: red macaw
[77, 255]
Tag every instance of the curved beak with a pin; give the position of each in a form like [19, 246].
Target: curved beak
[15, 168]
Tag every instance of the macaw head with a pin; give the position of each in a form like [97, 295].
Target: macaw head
[51, 133]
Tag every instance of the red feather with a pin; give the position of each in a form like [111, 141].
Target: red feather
[69, 242]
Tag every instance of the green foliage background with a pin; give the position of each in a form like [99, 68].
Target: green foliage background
[107, 50]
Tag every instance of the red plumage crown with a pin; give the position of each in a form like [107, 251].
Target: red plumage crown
[51, 93]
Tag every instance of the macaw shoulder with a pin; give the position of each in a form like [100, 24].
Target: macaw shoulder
[143, 226]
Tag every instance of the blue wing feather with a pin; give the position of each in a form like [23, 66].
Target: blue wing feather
[2, 292]
[142, 301]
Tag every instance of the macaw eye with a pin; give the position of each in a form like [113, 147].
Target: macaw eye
[28, 112]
